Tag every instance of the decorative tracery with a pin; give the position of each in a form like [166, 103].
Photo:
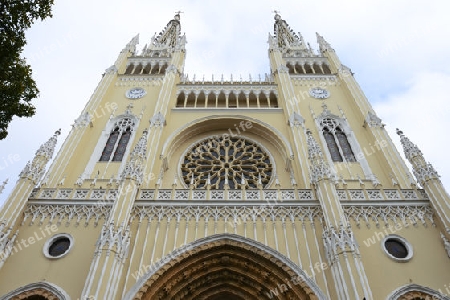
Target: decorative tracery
[221, 161]
[117, 142]
[337, 141]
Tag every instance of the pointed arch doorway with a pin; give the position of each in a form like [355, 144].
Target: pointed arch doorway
[225, 267]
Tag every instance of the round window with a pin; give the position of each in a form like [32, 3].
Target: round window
[397, 248]
[222, 160]
[58, 246]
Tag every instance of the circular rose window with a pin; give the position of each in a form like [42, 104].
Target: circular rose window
[226, 160]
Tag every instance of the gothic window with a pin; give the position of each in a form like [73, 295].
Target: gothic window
[332, 145]
[225, 160]
[337, 141]
[118, 139]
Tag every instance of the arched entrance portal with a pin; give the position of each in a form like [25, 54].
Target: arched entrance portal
[225, 267]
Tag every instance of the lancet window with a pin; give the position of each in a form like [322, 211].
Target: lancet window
[118, 139]
[337, 141]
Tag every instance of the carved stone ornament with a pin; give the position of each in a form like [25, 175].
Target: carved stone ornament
[208, 267]
[135, 166]
[296, 119]
[6, 241]
[446, 244]
[158, 120]
[83, 120]
[135, 93]
[323, 44]
[116, 240]
[373, 120]
[35, 169]
[319, 168]
[337, 241]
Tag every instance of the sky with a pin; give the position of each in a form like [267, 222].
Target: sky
[399, 51]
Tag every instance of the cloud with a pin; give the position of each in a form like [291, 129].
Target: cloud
[396, 57]
[422, 113]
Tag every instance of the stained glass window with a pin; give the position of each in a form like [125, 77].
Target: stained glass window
[396, 248]
[122, 146]
[59, 247]
[337, 141]
[345, 145]
[118, 139]
[332, 146]
[226, 160]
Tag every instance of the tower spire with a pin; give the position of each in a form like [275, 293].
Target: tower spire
[170, 37]
[284, 37]
[421, 168]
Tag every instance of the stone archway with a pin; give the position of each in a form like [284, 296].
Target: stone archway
[416, 292]
[38, 290]
[224, 267]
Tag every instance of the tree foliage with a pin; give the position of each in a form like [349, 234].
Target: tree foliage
[17, 87]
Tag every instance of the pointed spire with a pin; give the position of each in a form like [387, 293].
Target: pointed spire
[411, 150]
[46, 150]
[323, 44]
[131, 46]
[423, 171]
[319, 168]
[135, 166]
[2, 186]
[35, 169]
[284, 37]
[170, 37]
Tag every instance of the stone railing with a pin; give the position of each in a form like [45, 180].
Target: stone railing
[233, 195]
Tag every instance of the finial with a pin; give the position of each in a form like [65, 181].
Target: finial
[58, 132]
[399, 132]
[177, 15]
[277, 16]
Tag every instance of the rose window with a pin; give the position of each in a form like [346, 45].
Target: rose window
[220, 159]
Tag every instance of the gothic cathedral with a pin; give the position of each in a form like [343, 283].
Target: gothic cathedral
[285, 186]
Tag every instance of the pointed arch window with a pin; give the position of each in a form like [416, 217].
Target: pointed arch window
[337, 141]
[118, 139]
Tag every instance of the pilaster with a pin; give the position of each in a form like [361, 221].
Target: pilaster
[341, 248]
[428, 178]
[11, 212]
[114, 241]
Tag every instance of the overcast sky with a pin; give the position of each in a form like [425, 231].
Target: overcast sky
[398, 50]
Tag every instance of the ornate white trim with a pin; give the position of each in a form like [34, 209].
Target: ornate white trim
[57, 213]
[272, 159]
[232, 237]
[116, 240]
[244, 213]
[50, 287]
[412, 287]
[446, 244]
[398, 214]
[103, 138]
[281, 143]
[338, 241]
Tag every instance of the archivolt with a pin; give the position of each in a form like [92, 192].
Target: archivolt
[45, 289]
[225, 266]
[415, 291]
[225, 122]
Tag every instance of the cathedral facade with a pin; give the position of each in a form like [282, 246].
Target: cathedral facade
[285, 186]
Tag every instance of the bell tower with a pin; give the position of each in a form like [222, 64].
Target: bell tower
[284, 186]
